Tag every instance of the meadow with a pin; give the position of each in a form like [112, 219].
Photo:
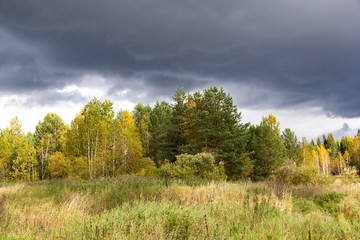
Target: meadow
[138, 207]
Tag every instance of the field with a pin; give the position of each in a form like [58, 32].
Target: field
[133, 207]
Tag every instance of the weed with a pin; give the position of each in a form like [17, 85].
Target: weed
[2, 203]
[178, 226]
[304, 206]
[329, 202]
[142, 207]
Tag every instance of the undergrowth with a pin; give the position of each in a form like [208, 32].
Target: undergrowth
[150, 208]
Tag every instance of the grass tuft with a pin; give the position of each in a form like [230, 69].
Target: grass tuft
[149, 208]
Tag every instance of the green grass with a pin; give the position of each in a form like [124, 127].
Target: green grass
[133, 207]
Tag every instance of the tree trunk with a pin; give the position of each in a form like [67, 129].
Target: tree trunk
[89, 154]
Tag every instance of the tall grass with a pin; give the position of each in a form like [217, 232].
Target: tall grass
[150, 208]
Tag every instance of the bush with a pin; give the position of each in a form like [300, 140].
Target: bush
[80, 168]
[59, 166]
[291, 174]
[329, 202]
[350, 175]
[178, 226]
[143, 166]
[201, 165]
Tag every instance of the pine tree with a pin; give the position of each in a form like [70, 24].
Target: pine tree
[346, 144]
[145, 135]
[162, 143]
[331, 145]
[292, 145]
[213, 124]
[139, 111]
[177, 130]
[318, 142]
[268, 151]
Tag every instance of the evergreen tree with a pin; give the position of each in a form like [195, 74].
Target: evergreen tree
[177, 130]
[139, 111]
[318, 142]
[346, 144]
[162, 144]
[145, 135]
[292, 145]
[331, 145]
[268, 151]
[213, 124]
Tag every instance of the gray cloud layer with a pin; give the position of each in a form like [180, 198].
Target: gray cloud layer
[344, 131]
[289, 53]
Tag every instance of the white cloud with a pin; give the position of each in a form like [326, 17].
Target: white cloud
[305, 122]
[89, 87]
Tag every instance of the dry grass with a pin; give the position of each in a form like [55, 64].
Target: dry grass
[227, 195]
[2, 203]
[212, 193]
[155, 209]
[49, 215]
[10, 189]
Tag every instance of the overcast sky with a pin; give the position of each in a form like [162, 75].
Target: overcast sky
[299, 60]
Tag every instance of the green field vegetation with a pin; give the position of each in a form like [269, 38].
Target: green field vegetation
[178, 170]
[140, 207]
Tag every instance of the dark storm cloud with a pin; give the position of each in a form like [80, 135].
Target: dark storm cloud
[152, 85]
[289, 53]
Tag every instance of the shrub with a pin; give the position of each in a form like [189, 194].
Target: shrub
[329, 202]
[350, 175]
[59, 165]
[291, 174]
[80, 168]
[201, 165]
[303, 205]
[143, 166]
[178, 226]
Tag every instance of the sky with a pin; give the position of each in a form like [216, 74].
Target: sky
[299, 60]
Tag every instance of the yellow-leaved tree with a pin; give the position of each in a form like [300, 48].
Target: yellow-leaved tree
[355, 152]
[129, 142]
[306, 154]
[324, 159]
[17, 157]
[272, 122]
[59, 166]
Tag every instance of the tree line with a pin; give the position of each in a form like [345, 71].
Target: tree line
[100, 142]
